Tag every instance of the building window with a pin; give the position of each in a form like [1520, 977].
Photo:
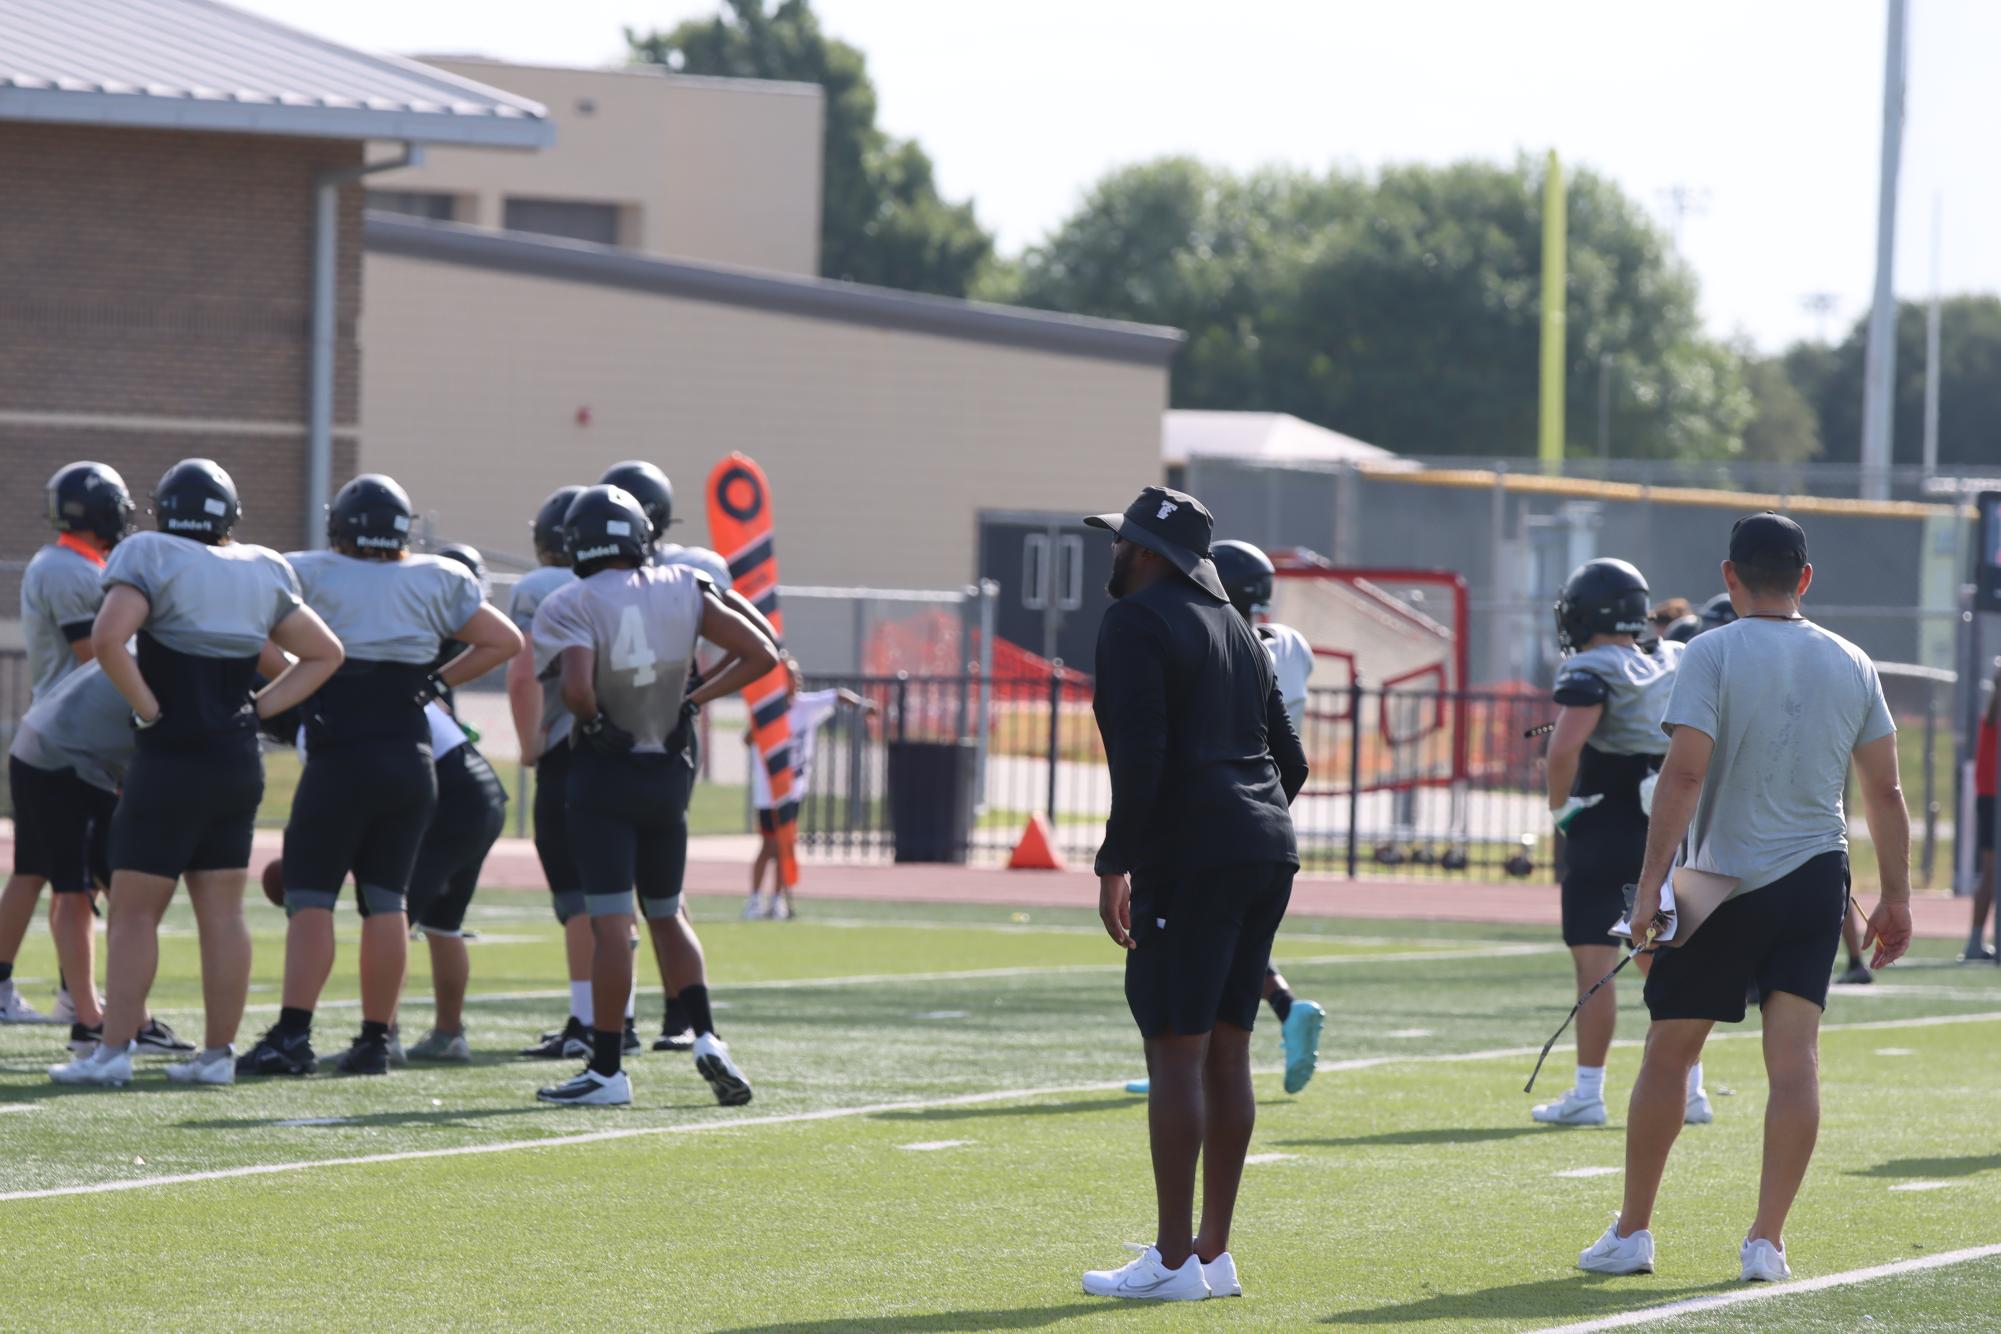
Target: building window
[416, 203]
[564, 217]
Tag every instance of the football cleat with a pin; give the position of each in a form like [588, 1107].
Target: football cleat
[571, 1043]
[14, 1008]
[591, 1089]
[106, 1067]
[713, 1063]
[277, 1054]
[437, 1046]
[160, 1040]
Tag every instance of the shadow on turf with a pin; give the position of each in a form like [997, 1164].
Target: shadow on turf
[945, 1322]
[1965, 1166]
[1550, 1300]
[1010, 1109]
[1448, 1135]
[434, 1116]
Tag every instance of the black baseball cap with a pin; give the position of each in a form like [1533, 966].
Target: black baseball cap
[1768, 540]
[1174, 524]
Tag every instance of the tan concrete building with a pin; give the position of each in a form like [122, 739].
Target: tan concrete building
[726, 170]
[501, 366]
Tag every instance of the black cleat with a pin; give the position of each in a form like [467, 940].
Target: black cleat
[632, 1042]
[157, 1037]
[84, 1037]
[364, 1058]
[682, 1039]
[572, 1043]
[277, 1054]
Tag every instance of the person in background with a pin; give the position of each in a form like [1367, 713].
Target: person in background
[807, 711]
[1668, 613]
[1986, 762]
[1195, 870]
[91, 512]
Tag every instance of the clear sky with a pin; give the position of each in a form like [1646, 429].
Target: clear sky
[1766, 111]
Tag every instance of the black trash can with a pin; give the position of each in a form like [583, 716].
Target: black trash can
[931, 799]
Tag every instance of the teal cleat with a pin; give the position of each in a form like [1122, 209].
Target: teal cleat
[1138, 1085]
[1301, 1032]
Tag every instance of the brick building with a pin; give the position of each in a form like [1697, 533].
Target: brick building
[165, 162]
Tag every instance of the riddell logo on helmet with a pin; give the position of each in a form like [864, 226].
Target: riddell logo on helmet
[386, 543]
[197, 525]
[595, 553]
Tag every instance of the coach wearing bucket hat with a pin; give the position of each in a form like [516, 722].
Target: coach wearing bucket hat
[1195, 870]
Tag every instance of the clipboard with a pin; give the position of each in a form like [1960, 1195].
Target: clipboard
[1687, 900]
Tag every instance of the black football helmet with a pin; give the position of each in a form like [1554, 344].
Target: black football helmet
[647, 485]
[90, 498]
[196, 498]
[1683, 628]
[605, 523]
[547, 524]
[1601, 597]
[1246, 573]
[467, 556]
[370, 513]
[1716, 613]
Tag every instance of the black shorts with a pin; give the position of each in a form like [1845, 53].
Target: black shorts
[1602, 855]
[62, 827]
[552, 829]
[472, 810]
[1779, 938]
[1202, 945]
[629, 830]
[362, 808]
[1983, 824]
[188, 810]
[767, 819]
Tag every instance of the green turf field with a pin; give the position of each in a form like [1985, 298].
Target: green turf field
[939, 1143]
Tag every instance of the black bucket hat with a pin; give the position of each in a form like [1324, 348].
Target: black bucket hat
[1173, 524]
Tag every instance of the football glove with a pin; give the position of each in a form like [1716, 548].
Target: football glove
[605, 736]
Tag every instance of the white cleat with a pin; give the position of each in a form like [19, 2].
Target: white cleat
[14, 1008]
[1698, 1112]
[209, 1067]
[713, 1063]
[105, 1067]
[591, 1089]
[65, 1011]
[1614, 1254]
[1763, 1262]
[753, 907]
[1144, 1277]
[1571, 1109]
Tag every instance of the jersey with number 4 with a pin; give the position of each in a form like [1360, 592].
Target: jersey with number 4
[642, 626]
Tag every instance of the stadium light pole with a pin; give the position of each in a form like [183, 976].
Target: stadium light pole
[1931, 356]
[1550, 449]
[1880, 362]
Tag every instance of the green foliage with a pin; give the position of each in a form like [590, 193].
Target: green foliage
[1402, 308]
[1784, 429]
[1969, 384]
[882, 219]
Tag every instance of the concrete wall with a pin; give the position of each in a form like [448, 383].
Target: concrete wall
[157, 293]
[725, 170]
[882, 445]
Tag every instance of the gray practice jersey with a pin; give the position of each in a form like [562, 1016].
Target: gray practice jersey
[388, 610]
[83, 724]
[208, 602]
[1786, 703]
[529, 592]
[1633, 686]
[60, 596]
[642, 625]
[699, 558]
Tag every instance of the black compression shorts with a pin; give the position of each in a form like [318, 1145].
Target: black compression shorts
[552, 829]
[628, 817]
[362, 808]
[472, 810]
[62, 827]
[1602, 855]
[1202, 946]
[188, 810]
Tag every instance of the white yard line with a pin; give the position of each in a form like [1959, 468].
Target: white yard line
[824, 1114]
[1762, 1292]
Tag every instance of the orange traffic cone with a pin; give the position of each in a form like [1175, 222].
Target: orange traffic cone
[1035, 852]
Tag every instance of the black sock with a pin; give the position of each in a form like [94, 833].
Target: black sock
[62, 983]
[294, 1022]
[677, 1014]
[6, 972]
[606, 1049]
[1281, 1003]
[696, 999]
[374, 1033]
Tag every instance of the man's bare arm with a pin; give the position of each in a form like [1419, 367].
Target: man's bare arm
[1890, 828]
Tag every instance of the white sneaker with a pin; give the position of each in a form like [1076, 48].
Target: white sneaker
[753, 907]
[65, 1011]
[591, 1089]
[1572, 1109]
[107, 1067]
[1698, 1112]
[1763, 1262]
[207, 1067]
[1145, 1277]
[713, 1063]
[1221, 1276]
[14, 1008]
[1614, 1254]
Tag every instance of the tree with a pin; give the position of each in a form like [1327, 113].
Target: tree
[1969, 431]
[1402, 309]
[882, 219]
[1783, 427]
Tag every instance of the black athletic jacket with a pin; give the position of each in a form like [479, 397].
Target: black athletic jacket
[1203, 757]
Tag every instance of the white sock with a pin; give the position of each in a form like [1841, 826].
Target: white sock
[580, 1003]
[1695, 1079]
[1591, 1081]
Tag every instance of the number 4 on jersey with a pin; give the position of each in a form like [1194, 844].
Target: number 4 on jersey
[632, 651]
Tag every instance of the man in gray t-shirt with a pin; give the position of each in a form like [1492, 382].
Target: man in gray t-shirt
[1766, 716]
